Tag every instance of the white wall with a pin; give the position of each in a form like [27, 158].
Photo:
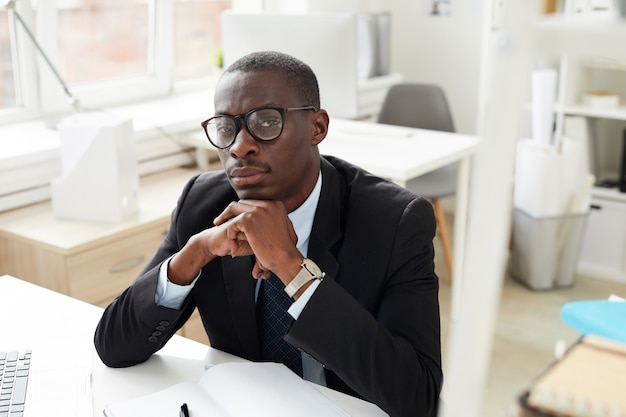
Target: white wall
[445, 50]
[442, 50]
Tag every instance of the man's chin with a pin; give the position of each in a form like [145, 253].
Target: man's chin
[251, 193]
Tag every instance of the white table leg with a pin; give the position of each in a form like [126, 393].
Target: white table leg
[460, 225]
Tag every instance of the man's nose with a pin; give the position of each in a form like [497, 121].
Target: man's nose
[244, 143]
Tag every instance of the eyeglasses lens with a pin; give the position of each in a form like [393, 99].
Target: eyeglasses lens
[263, 124]
[221, 130]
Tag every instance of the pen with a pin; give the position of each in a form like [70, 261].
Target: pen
[184, 411]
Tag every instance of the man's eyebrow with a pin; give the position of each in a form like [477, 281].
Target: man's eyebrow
[250, 109]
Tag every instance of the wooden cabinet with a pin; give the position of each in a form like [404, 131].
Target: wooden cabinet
[112, 265]
[91, 261]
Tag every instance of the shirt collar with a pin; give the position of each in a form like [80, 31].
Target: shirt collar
[302, 217]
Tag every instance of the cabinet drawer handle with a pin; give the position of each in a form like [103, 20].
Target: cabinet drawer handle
[128, 265]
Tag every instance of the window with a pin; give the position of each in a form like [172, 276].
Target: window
[197, 37]
[108, 52]
[18, 79]
[8, 93]
[103, 40]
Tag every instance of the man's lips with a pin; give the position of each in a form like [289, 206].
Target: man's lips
[247, 175]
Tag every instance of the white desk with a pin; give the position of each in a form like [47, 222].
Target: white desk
[395, 152]
[46, 315]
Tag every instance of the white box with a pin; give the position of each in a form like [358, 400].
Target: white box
[99, 176]
[601, 99]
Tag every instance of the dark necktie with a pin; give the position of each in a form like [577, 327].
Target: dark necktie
[273, 322]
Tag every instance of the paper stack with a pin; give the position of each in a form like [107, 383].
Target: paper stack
[550, 180]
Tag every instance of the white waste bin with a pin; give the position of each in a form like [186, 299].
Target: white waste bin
[545, 251]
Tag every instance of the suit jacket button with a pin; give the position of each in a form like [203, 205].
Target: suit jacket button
[164, 323]
[161, 328]
[156, 333]
[153, 339]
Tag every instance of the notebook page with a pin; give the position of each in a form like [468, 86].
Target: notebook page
[265, 389]
[167, 402]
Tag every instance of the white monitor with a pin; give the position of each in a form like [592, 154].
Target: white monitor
[325, 41]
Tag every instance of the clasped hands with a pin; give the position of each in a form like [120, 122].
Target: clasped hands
[245, 227]
[260, 228]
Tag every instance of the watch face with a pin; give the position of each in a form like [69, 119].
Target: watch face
[312, 268]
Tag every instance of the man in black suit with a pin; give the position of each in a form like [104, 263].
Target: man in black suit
[351, 251]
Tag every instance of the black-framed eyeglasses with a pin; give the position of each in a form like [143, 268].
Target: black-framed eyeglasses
[263, 123]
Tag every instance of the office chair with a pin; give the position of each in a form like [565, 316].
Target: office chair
[425, 106]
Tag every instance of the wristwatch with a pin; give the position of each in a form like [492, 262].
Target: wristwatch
[309, 271]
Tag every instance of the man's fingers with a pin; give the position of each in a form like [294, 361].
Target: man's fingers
[228, 213]
[259, 272]
[235, 208]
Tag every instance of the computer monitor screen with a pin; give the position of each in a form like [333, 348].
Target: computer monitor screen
[325, 41]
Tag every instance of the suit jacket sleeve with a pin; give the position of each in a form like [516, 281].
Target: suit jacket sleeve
[133, 326]
[389, 354]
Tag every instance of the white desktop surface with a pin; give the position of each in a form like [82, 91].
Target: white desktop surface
[395, 152]
[43, 316]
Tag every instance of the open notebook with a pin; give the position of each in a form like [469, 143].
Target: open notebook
[235, 390]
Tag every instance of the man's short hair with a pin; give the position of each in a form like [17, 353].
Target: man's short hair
[298, 75]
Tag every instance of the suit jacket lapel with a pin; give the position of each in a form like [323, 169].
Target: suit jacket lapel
[240, 287]
[327, 225]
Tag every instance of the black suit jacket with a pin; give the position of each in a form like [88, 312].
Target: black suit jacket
[373, 322]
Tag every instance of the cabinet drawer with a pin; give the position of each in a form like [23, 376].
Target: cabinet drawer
[604, 243]
[100, 274]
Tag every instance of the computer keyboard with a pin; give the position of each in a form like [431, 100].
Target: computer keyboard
[14, 371]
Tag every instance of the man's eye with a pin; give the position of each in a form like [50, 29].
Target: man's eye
[225, 129]
[267, 123]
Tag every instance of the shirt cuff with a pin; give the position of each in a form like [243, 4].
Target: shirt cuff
[298, 305]
[171, 295]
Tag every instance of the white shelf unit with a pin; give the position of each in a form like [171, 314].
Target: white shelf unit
[588, 51]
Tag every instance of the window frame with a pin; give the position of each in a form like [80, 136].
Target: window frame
[24, 69]
[40, 95]
[157, 82]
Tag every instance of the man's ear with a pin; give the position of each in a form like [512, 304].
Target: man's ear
[319, 127]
